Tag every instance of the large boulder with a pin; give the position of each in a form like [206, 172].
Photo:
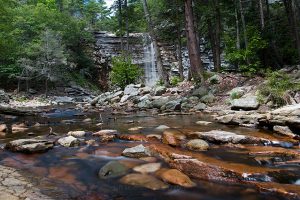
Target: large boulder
[131, 90]
[29, 145]
[69, 141]
[173, 105]
[112, 169]
[145, 104]
[200, 106]
[160, 90]
[209, 98]
[245, 103]
[160, 101]
[4, 98]
[143, 180]
[200, 92]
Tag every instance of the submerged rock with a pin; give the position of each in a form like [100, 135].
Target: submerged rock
[29, 145]
[133, 137]
[106, 132]
[112, 169]
[136, 152]
[205, 123]
[172, 137]
[197, 145]
[147, 168]
[245, 103]
[76, 133]
[69, 141]
[161, 128]
[143, 180]
[175, 177]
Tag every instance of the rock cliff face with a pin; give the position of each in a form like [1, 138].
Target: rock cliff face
[109, 45]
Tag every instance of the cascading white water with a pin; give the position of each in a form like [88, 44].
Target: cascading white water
[151, 75]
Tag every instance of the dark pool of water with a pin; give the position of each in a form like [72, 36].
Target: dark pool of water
[74, 170]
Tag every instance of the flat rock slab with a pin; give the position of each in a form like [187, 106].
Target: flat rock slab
[217, 136]
[29, 145]
[69, 141]
[147, 168]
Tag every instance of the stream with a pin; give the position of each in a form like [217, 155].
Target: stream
[72, 173]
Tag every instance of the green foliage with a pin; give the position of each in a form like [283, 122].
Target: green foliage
[247, 58]
[124, 72]
[235, 95]
[174, 80]
[277, 87]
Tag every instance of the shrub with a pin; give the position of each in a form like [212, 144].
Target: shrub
[175, 80]
[124, 72]
[278, 87]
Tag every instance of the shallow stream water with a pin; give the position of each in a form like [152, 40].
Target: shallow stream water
[71, 173]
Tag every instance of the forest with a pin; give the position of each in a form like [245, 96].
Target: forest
[149, 99]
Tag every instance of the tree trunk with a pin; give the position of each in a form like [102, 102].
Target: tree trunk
[162, 74]
[218, 35]
[243, 24]
[262, 15]
[120, 22]
[237, 24]
[179, 55]
[290, 8]
[127, 26]
[192, 43]
[212, 38]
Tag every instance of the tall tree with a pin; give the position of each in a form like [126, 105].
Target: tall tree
[161, 71]
[196, 69]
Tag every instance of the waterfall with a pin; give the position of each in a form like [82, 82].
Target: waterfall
[151, 75]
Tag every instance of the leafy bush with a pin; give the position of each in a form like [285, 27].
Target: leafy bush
[247, 58]
[124, 72]
[278, 87]
[235, 95]
[175, 80]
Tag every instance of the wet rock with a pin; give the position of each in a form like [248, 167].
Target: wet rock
[197, 145]
[29, 145]
[173, 105]
[138, 128]
[131, 137]
[161, 128]
[106, 132]
[112, 169]
[91, 142]
[76, 133]
[156, 136]
[69, 141]
[18, 128]
[3, 128]
[285, 130]
[200, 106]
[209, 98]
[147, 168]
[204, 123]
[145, 90]
[149, 159]
[145, 104]
[4, 98]
[131, 90]
[175, 177]
[107, 138]
[124, 98]
[143, 180]
[217, 136]
[160, 90]
[64, 99]
[172, 137]
[159, 102]
[200, 92]
[245, 103]
[136, 152]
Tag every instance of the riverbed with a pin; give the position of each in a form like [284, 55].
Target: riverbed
[72, 172]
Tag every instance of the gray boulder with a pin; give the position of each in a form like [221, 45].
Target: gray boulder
[29, 145]
[69, 141]
[245, 103]
[209, 98]
[160, 90]
[159, 102]
[173, 105]
[112, 169]
[200, 92]
[197, 145]
[200, 106]
[136, 152]
[131, 90]
[145, 104]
